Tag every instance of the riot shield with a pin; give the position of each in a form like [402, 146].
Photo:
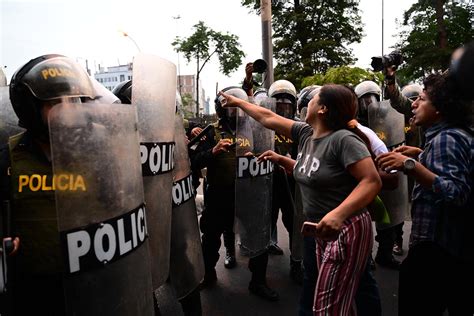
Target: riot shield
[299, 218]
[253, 193]
[100, 208]
[389, 125]
[186, 261]
[8, 119]
[154, 94]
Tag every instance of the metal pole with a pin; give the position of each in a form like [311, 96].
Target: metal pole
[267, 45]
[176, 18]
[126, 35]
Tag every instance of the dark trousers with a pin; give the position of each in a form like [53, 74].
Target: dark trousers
[367, 296]
[281, 200]
[386, 240]
[191, 304]
[42, 294]
[432, 281]
[217, 217]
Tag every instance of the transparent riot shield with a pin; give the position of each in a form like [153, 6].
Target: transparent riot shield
[8, 119]
[154, 94]
[297, 244]
[253, 184]
[186, 261]
[100, 208]
[389, 125]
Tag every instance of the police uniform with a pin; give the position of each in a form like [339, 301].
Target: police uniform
[34, 272]
[219, 199]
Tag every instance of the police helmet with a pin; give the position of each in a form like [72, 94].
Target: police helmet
[123, 91]
[412, 91]
[259, 95]
[285, 90]
[232, 90]
[306, 94]
[367, 87]
[46, 78]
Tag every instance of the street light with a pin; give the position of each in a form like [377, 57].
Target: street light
[125, 34]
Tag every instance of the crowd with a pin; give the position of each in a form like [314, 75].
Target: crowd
[98, 191]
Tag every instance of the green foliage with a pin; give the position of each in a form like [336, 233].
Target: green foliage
[188, 103]
[205, 42]
[311, 37]
[424, 46]
[343, 75]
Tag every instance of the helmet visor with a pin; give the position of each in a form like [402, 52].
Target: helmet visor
[284, 107]
[59, 77]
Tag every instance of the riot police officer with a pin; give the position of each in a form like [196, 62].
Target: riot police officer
[35, 269]
[217, 154]
[368, 94]
[284, 93]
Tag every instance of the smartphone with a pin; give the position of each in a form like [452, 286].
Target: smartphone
[232, 145]
[309, 229]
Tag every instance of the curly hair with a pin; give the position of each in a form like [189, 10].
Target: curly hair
[443, 94]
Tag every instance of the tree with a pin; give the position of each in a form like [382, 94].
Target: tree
[311, 36]
[187, 100]
[203, 44]
[431, 31]
[344, 75]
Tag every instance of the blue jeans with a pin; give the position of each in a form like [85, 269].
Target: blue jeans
[367, 296]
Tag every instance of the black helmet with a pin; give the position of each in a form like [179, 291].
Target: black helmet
[306, 94]
[123, 91]
[232, 90]
[45, 78]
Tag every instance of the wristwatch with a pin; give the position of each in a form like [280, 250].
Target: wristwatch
[409, 164]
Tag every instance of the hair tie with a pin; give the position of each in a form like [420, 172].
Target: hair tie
[352, 123]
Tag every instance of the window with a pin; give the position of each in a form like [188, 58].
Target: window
[122, 78]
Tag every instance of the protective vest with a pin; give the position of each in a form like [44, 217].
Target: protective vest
[34, 217]
[221, 172]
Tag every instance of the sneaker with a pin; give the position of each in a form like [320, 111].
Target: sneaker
[390, 263]
[210, 279]
[263, 291]
[275, 250]
[398, 250]
[229, 261]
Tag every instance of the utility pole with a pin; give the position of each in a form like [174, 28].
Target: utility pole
[267, 45]
[176, 18]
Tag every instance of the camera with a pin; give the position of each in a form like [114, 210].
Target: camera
[394, 59]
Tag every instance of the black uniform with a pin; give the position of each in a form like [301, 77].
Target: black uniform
[219, 199]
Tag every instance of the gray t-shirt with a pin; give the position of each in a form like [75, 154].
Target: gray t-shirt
[320, 168]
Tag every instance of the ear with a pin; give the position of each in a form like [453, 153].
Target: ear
[323, 109]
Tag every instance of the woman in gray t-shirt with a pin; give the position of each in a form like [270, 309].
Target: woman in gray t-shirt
[338, 180]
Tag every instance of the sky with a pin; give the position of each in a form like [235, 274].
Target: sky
[90, 30]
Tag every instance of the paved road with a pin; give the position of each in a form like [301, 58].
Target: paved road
[231, 297]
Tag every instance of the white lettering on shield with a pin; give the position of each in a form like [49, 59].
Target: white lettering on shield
[102, 243]
[250, 167]
[156, 158]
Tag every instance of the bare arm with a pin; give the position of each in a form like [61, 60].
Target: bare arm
[264, 116]
[369, 185]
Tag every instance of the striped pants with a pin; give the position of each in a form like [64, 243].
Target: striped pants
[341, 264]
